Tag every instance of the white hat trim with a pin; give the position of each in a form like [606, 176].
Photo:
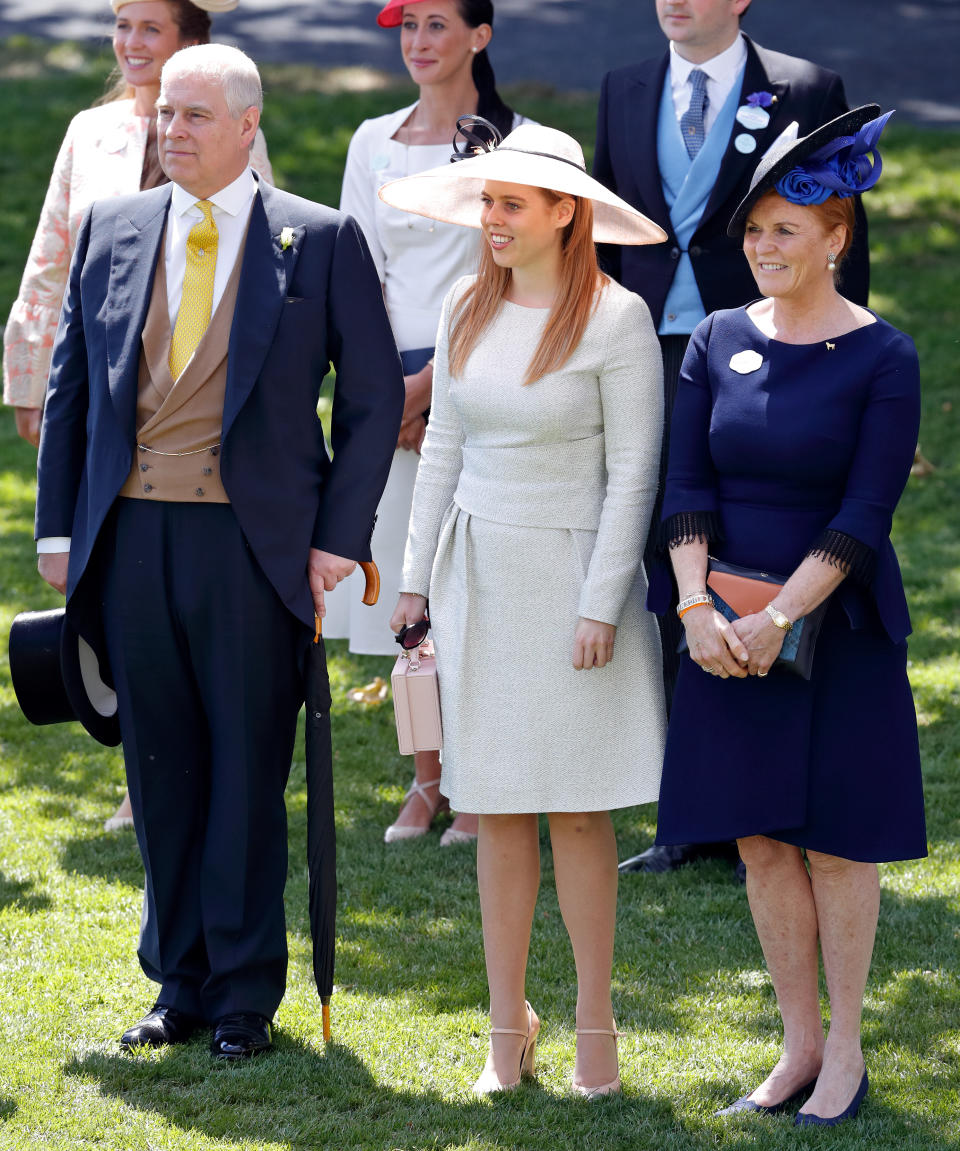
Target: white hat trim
[531, 155]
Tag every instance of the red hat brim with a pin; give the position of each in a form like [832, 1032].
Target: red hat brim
[391, 14]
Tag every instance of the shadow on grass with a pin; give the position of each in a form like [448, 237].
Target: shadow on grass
[302, 1098]
[112, 856]
[20, 894]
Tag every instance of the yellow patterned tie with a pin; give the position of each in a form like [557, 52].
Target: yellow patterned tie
[196, 302]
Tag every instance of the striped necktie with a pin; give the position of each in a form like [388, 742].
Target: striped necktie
[196, 301]
[691, 122]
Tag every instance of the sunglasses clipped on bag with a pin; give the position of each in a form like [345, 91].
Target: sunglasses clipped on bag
[412, 635]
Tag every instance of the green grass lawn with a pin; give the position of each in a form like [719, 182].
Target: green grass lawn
[691, 992]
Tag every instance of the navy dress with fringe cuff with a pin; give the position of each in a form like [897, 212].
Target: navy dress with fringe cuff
[790, 451]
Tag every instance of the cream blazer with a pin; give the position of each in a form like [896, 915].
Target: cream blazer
[101, 156]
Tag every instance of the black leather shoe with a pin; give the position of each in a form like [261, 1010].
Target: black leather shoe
[240, 1035]
[659, 858]
[161, 1025]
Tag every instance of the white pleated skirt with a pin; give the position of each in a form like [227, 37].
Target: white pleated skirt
[524, 731]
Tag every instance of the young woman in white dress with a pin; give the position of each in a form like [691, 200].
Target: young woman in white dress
[536, 483]
[444, 47]
[109, 150]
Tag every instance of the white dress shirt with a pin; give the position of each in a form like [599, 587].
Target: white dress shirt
[722, 73]
[231, 212]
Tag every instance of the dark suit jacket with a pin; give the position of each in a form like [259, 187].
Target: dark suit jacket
[300, 307]
[626, 162]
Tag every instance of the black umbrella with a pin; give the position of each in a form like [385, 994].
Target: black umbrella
[321, 832]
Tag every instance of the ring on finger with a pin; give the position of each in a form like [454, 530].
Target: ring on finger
[762, 674]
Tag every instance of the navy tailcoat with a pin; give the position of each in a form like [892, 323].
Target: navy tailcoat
[300, 306]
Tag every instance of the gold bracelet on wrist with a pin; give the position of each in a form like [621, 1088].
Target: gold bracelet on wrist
[779, 619]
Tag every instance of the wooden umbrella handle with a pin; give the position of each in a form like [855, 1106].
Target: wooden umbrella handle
[371, 593]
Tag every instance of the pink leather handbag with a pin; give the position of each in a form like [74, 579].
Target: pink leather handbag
[416, 700]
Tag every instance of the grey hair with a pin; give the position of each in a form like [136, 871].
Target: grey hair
[232, 69]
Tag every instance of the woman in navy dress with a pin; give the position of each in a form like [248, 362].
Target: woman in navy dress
[791, 442]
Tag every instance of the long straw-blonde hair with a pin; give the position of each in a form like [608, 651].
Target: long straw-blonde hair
[572, 307]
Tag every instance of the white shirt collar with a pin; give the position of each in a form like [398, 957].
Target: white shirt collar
[722, 68]
[232, 199]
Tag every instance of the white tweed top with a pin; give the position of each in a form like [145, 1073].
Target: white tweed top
[576, 449]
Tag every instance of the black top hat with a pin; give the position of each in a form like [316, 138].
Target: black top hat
[786, 154]
[56, 675]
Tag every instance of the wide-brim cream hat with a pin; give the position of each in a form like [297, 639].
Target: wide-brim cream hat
[533, 155]
[206, 5]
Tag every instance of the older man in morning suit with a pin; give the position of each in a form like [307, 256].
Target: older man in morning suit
[679, 137]
[187, 506]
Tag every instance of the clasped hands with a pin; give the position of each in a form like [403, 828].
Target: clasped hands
[747, 646]
[592, 639]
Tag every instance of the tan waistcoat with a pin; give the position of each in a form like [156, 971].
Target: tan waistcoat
[179, 423]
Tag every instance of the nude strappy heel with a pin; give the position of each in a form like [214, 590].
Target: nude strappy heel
[489, 1082]
[603, 1089]
[395, 833]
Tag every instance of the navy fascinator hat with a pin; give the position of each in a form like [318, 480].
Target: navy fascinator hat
[839, 158]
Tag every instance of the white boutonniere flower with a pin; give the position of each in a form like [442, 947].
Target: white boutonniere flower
[286, 238]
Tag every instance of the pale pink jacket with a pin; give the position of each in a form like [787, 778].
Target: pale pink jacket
[101, 156]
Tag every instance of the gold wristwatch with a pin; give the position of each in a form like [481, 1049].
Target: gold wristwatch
[778, 618]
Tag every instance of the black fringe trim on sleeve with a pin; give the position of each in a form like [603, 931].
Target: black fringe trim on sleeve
[852, 556]
[689, 527]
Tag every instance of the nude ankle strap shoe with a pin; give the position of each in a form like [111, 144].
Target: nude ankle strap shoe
[395, 833]
[489, 1082]
[602, 1089]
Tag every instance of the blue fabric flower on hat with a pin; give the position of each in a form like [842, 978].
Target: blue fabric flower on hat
[799, 187]
[845, 167]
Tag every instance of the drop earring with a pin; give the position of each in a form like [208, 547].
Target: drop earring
[831, 262]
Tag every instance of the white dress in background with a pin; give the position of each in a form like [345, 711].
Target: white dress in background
[531, 509]
[418, 260]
